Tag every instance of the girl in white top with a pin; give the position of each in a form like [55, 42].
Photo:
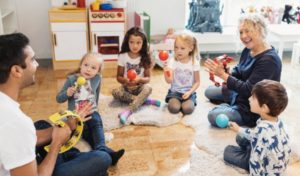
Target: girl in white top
[134, 56]
[182, 73]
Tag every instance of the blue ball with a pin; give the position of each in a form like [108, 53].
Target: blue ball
[222, 121]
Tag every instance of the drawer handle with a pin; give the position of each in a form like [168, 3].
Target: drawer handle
[54, 38]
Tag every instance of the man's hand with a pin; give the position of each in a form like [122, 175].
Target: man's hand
[72, 123]
[60, 135]
[234, 126]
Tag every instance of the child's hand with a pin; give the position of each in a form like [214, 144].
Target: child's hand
[186, 95]
[71, 91]
[165, 67]
[134, 82]
[85, 111]
[233, 126]
[165, 64]
[167, 71]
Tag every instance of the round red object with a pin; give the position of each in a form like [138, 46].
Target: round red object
[163, 55]
[131, 74]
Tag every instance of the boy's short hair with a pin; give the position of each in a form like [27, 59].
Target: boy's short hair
[271, 93]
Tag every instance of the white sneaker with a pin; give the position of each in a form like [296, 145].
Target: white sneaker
[108, 136]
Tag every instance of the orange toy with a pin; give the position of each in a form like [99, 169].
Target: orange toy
[163, 55]
[131, 74]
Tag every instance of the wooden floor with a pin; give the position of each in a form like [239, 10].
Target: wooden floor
[149, 150]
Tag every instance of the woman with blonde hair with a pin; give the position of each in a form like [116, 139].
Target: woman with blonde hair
[258, 61]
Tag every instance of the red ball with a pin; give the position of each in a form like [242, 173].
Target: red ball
[163, 55]
[131, 74]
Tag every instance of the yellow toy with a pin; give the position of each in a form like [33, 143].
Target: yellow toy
[59, 119]
[80, 81]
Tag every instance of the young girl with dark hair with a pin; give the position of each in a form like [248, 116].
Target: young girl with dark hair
[134, 57]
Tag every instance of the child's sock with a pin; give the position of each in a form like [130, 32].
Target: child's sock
[115, 156]
[152, 102]
[124, 116]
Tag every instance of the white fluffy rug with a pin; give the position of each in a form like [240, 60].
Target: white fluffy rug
[146, 115]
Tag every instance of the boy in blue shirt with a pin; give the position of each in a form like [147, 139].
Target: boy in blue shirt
[265, 149]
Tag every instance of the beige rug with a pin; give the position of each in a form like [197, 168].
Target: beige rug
[206, 154]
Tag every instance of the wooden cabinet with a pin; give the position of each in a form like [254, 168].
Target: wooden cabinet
[8, 17]
[69, 33]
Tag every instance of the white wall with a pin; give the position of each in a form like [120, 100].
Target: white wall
[33, 17]
[163, 13]
[33, 21]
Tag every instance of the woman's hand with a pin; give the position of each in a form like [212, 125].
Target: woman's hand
[186, 95]
[234, 126]
[71, 91]
[216, 68]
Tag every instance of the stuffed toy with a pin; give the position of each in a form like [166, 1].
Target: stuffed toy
[287, 17]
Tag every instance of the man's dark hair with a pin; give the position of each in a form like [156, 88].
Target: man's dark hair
[271, 93]
[11, 53]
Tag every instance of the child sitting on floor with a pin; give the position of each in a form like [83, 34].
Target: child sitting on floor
[134, 58]
[264, 150]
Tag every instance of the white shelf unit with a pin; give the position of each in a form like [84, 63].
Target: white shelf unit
[8, 17]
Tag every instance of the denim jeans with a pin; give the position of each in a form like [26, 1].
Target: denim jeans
[223, 96]
[239, 155]
[178, 96]
[74, 162]
[93, 133]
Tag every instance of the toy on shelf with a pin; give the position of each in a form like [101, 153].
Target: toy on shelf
[81, 3]
[269, 14]
[224, 59]
[297, 13]
[170, 36]
[96, 5]
[69, 5]
[287, 16]
[205, 16]
[59, 119]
